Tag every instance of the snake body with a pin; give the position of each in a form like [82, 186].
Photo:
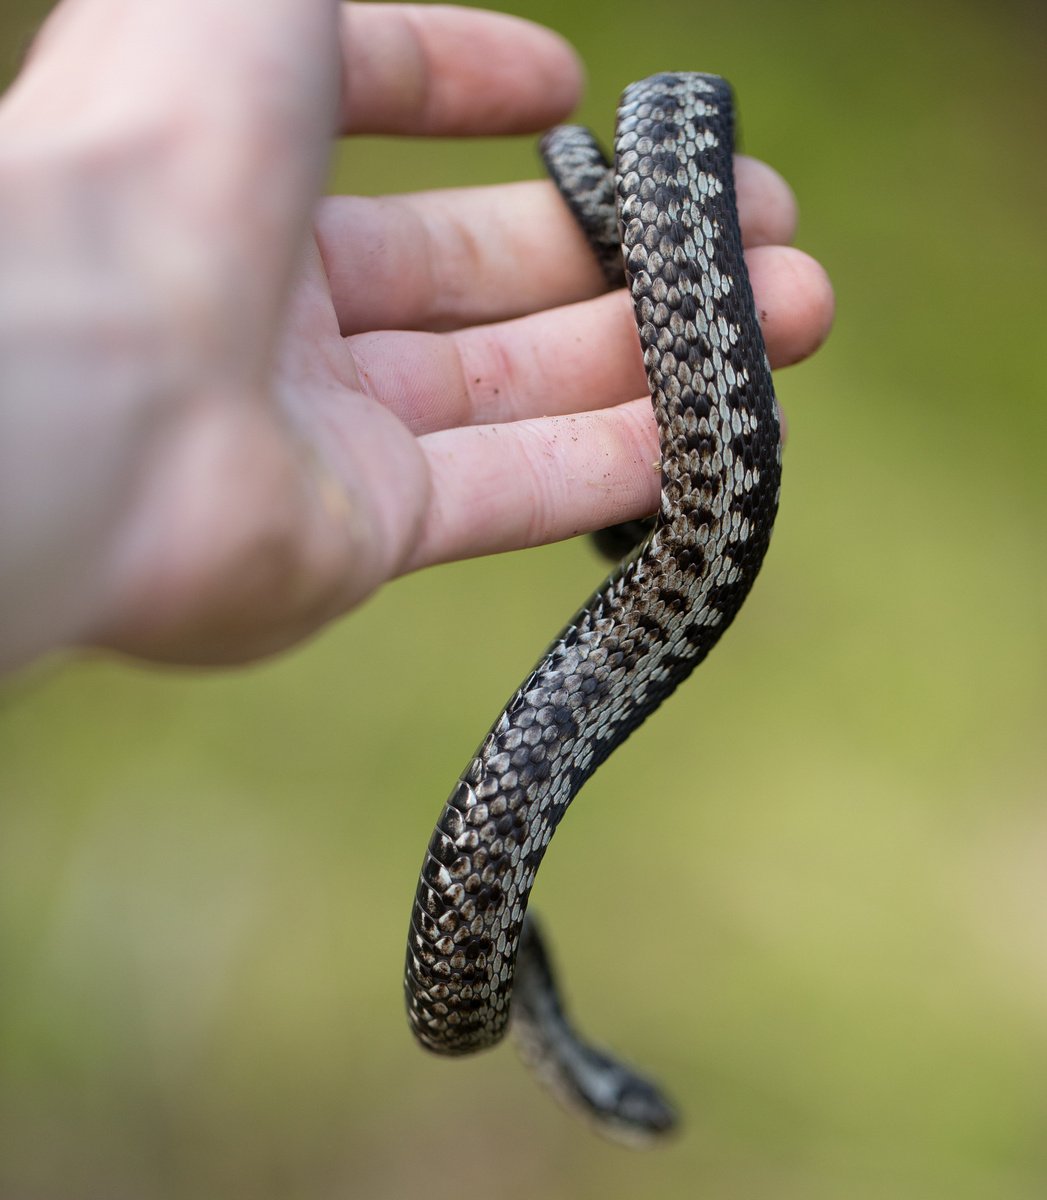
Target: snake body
[666, 213]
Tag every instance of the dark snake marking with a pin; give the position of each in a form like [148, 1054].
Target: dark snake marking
[667, 211]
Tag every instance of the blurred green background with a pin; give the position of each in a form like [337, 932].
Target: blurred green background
[829, 935]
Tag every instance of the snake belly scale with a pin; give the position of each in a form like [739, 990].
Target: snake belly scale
[666, 213]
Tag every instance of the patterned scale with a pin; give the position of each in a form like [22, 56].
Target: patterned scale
[667, 212]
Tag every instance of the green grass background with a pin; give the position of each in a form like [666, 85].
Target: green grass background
[811, 895]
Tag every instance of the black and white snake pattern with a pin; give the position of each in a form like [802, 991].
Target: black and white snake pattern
[666, 212]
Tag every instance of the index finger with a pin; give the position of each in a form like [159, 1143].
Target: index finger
[443, 70]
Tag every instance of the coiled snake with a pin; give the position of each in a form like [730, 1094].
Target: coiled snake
[667, 211]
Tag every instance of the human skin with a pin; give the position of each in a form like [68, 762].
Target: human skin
[231, 408]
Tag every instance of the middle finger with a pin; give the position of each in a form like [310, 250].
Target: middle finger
[571, 359]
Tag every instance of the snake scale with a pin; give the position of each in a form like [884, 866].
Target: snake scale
[663, 222]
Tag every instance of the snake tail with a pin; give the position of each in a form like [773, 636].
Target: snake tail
[618, 1101]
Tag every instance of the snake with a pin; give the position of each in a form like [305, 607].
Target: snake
[662, 221]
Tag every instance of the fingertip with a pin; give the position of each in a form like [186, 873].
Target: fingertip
[564, 72]
[795, 300]
[543, 60]
[445, 70]
[815, 297]
[766, 203]
[501, 73]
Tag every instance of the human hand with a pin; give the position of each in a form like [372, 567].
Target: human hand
[210, 442]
